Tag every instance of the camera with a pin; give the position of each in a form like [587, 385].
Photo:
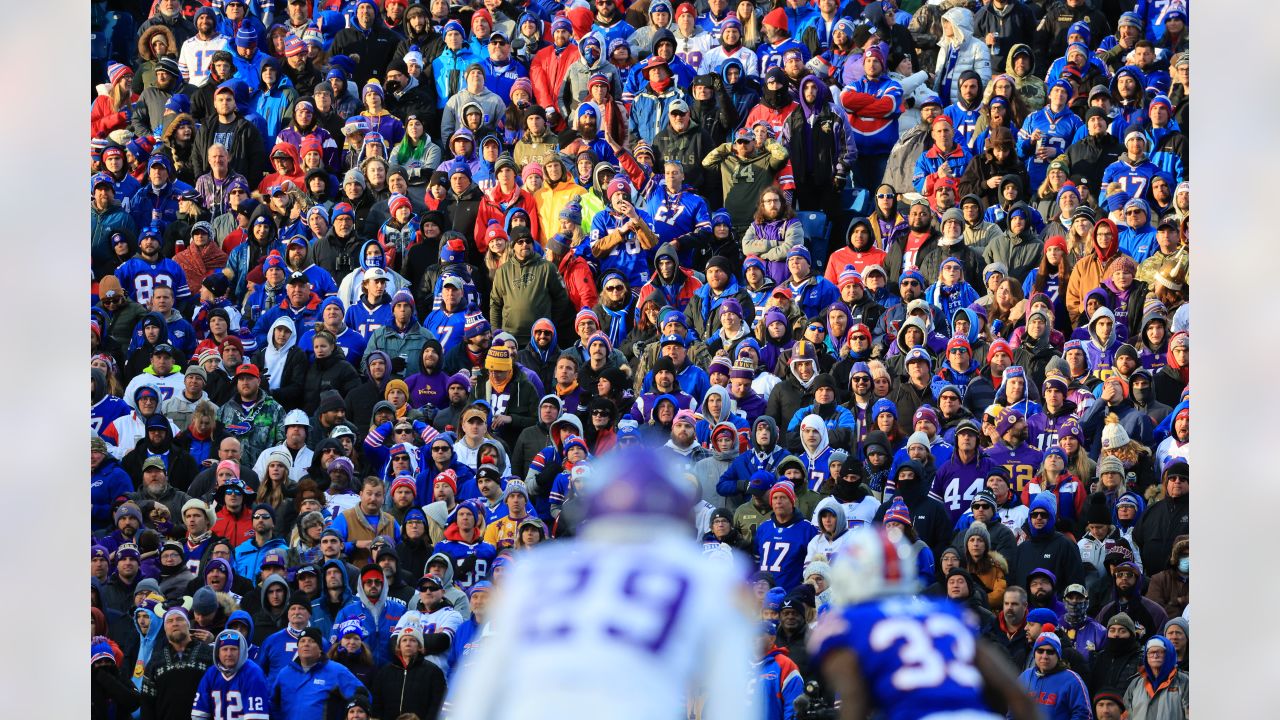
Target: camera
[811, 705]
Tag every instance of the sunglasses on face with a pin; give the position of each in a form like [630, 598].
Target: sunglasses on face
[885, 196]
[910, 283]
[1042, 515]
[862, 380]
[981, 506]
[261, 516]
[1045, 651]
[613, 288]
[440, 449]
[600, 413]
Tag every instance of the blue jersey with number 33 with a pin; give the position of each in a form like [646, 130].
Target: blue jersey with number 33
[916, 654]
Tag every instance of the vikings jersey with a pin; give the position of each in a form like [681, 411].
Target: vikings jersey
[627, 629]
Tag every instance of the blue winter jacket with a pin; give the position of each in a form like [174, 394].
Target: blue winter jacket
[377, 620]
[299, 694]
[108, 482]
[1061, 693]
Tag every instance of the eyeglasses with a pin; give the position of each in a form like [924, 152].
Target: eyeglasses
[771, 201]
[600, 413]
[522, 241]
[613, 288]
[910, 283]
[440, 449]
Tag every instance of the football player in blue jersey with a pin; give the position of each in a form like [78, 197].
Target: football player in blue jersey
[907, 656]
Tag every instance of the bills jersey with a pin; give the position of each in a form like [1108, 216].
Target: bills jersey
[916, 654]
[444, 620]
[138, 277]
[623, 629]
[471, 561]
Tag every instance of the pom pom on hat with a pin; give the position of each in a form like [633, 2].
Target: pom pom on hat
[1113, 434]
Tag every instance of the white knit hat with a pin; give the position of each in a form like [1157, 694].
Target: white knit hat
[1113, 434]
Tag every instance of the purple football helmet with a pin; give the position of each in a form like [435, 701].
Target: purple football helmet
[638, 482]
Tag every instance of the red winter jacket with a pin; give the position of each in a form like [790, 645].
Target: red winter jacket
[548, 71]
[494, 206]
[579, 280]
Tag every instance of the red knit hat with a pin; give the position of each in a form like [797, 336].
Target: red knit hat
[449, 477]
[786, 488]
[404, 481]
[997, 346]
[777, 18]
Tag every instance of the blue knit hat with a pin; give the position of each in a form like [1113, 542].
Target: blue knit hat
[246, 36]
[1051, 640]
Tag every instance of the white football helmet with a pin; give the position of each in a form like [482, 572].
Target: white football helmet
[871, 565]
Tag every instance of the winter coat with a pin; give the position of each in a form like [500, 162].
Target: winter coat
[417, 687]
[525, 291]
[1061, 693]
[970, 54]
[1164, 697]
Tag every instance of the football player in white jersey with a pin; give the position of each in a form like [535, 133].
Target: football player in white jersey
[626, 620]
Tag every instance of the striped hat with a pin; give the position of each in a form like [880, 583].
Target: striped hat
[586, 314]
[897, 512]
[293, 46]
[116, 72]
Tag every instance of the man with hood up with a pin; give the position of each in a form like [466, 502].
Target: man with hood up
[591, 62]
[763, 455]
[335, 593]
[231, 675]
[797, 389]
[376, 612]
[832, 524]
[1045, 548]
[1160, 689]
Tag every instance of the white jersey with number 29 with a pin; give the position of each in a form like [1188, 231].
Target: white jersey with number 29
[624, 631]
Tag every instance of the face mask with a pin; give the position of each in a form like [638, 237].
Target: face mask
[393, 86]
[661, 85]
[1141, 395]
[591, 54]
[1076, 610]
[1184, 565]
